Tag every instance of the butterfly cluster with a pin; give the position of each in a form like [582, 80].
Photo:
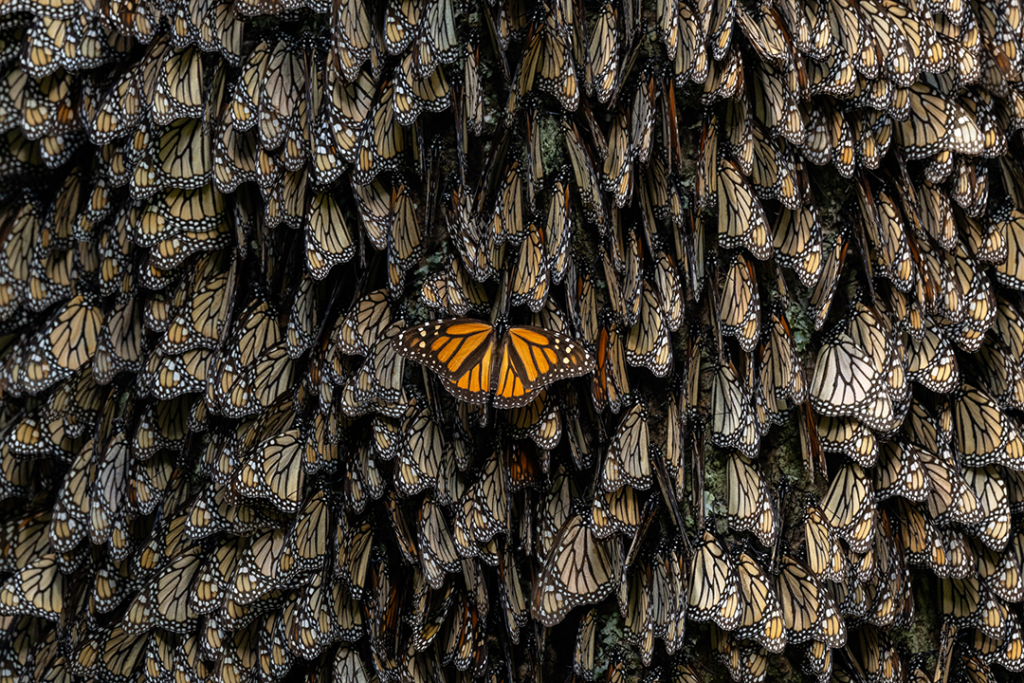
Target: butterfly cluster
[419, 341]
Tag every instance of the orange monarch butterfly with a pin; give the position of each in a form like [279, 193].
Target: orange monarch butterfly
[478, 363]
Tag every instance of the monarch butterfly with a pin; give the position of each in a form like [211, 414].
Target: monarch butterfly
[553, 509]
[485, 504]
[463, 351]
[714, 590]
[847, 382]
[937, 123]
[603, 55]
[741, 219]
[745, 660]
[627, 461]
[932, 432]
[616, 512]
[429, 611]
[65, 343]
[988, 246]
[947, 554]
[1001, 572]
[540, 421]
[274, 471]
[733, 424]
[984, 434]
[798, 243]
[578, 570]
[359, 330]
[781, 371]
[668, 597]
[1009, 272]
[163, 602]
[531, 277]
[761, 614]
[775, 104]
[524, 470]
[999, 375]
[967, 603]
[179, 156]
[259, 567]
[706, 188]
[751, 507]
[555, 72]
[950, 498]
[421, 459]
[618, 162]
[979, 312]
[649, 343]
[990, 490]
[741, 310]
[830, 138]
[874, 333]
[764, 32]
[773, 173]
[826, 559]
[690, 56]
[436, 549]
[892, 249]
[1006, 653]
[473, 102]
[403, 241]
[454, 292]
[849, 507]
[900, 472]
[887, 592]
[638, 627]
[37, 589]
[517, 614]
[583, 171]
[377, 383]
[932, 363]
[413, 95]
[508, 223]
[583, 663]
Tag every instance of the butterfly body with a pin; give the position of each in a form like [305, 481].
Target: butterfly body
[479, 361]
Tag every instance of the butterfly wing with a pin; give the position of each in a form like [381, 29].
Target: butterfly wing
[460, 350]
[530, 358]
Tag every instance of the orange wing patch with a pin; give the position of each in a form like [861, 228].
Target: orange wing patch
[462, 351]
